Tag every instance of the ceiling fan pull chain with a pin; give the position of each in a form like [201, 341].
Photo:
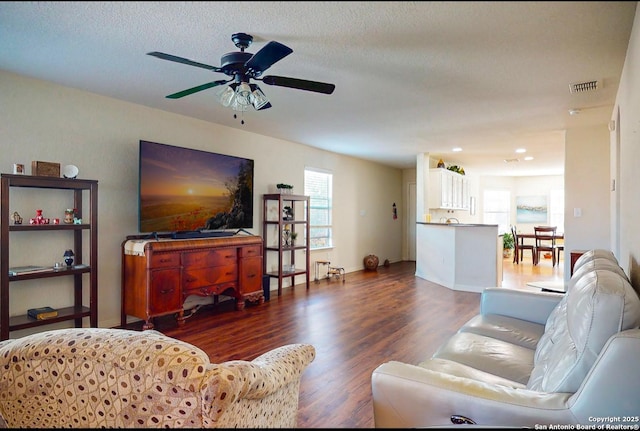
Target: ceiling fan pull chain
[235, 116]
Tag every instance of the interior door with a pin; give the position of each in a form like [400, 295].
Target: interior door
[411, 222]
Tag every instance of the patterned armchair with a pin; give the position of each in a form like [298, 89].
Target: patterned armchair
[114, 378]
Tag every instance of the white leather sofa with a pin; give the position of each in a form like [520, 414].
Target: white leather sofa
[529, 359]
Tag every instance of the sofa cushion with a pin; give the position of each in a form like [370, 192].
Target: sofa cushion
[509, 329]
[503, 359]
[452, 368]
[597, 305]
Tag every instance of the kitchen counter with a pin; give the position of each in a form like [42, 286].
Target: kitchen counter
[456, 224]
[459, 256]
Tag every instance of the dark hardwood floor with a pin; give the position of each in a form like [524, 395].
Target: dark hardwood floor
[373, 317]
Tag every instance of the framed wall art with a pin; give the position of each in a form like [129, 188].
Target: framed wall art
[531, 209]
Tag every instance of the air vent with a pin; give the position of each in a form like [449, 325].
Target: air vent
[511, 160]
[584, 87]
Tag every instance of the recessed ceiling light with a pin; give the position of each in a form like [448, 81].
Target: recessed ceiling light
[529, 158]
[574, 111]
[456, 149]
[521, 150]
[511, 160]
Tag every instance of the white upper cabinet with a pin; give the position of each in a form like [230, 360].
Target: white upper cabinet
[448, 190]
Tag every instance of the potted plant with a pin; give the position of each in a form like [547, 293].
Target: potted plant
[507, 244]
[294, 235]
[284, 188]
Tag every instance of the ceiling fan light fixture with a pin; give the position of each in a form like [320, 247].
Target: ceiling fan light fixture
[239, 104]
[227, 96]
[258, 98]
[243, 90]
[243, 94]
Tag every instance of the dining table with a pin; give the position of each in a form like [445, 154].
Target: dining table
[523, 236]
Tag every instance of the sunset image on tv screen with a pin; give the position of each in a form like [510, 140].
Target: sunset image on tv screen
[186, 189]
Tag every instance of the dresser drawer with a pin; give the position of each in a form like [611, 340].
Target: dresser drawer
[164, 260]
[194, 278]
[251, 251]
[204, 259]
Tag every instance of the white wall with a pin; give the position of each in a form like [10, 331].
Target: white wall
[587, 189]
[628, 104]
[47, 122]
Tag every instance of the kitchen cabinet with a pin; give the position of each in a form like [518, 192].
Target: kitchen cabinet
[448, 190]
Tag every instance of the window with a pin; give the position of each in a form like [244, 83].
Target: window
[318, 185]
[556, 209]
[497, 209]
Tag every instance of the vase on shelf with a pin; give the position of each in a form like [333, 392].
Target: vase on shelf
[68, 257]
[286, 238]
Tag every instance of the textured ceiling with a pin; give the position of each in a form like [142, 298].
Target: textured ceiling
[411, 77]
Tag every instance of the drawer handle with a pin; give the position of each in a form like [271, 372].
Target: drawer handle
[229, 273]
[165, 260]
[191, 279]
[251, 275]
[166, 291]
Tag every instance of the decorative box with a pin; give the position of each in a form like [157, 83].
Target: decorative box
[45, 169]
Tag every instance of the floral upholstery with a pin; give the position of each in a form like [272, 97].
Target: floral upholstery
[113, 378]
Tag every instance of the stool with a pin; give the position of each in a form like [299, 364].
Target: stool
[337, 272]
[318, 264]
[334, 271]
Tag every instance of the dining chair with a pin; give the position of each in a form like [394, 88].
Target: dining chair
[545, 242]
[520, 247]
[559, 248]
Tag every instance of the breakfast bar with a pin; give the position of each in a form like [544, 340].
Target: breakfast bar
[465, 257]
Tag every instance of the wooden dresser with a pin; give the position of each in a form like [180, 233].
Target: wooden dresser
[159, 275]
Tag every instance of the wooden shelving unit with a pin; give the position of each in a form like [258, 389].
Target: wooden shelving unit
[299, 223]
[79, 310]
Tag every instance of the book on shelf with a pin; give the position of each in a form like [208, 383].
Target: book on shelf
[28, 269]
[42, 313]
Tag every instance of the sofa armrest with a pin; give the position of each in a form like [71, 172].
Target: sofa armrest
[272, 370]
[408, 396]
[270, 384]
[520, 304]
[610, 390]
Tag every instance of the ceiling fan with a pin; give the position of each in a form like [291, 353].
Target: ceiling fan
[242, 66]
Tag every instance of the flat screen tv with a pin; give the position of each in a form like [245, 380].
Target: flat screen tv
[183, 189]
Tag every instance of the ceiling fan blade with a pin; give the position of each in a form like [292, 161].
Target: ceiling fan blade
[182, 60]
[266, 57]
[300, 84]
[183, 93]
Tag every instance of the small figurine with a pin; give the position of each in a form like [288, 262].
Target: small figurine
[39, 218]
[68, 257]
[16, 218]
[69, 215]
